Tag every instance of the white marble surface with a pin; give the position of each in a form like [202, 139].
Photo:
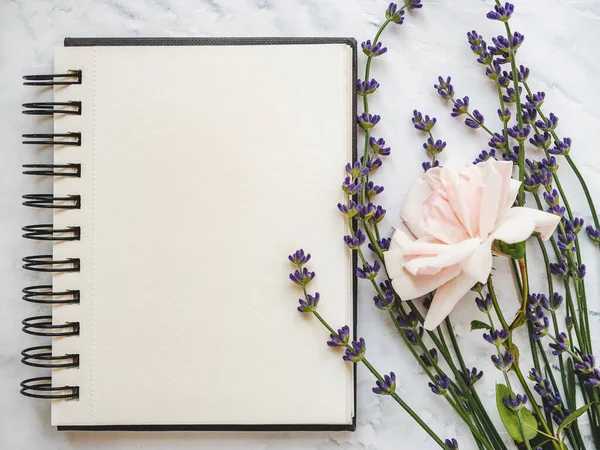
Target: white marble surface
[563, 40]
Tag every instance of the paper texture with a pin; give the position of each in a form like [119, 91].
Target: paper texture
[202, 169]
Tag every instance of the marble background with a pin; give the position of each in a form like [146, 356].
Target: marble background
[562, 47]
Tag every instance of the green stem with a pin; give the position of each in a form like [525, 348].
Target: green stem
[395, 396]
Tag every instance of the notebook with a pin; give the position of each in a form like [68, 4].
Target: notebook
[185, 171]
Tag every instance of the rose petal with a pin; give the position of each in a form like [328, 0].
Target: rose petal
[518, 224]
[412, 211]
[479, 265]
[490, 199]
[449, 255]
[440, 221]
[446, 297]
[409, 286]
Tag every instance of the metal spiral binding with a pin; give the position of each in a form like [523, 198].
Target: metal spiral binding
[52, 139]
[54, 79]
[42, 356]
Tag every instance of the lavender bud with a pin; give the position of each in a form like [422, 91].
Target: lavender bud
[413, 4]
[511, 96]
[471, 377]
[501, 13]
[299, 258]
[444, 88]
[407, 323]
[302, 278]
[593, 380]
[496, 337]
[503, 362]
[586, 365]
[428, 165]
[441, 385]
[368, 121]
[356, 170]
[372, 50]
[372, 189]
[476, 122]
[310, 304]
[504, 115]
[385, 303]
[429, 358]
[356, 352]
[549, 124]
[520, 134]
[593, 234]
[366, 87]
[485, 304]
[394, 15]
[434, 148]
[451, 444]
[560, 269]
[542, 140]
[515, 403]
[384, 244]
[355, 242]
[350, 187]
[386, 386]
[561, 147]
[498, 141]
[484, 156]
[461, 106]
[368, 272]
[531, 183]
[378, 147]
[351, 209]
[341, 339]
[560, 345]
[423, 124]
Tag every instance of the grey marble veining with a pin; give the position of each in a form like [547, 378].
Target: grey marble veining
[561, 48]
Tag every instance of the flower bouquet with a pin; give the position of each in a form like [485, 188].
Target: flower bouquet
[455, 224]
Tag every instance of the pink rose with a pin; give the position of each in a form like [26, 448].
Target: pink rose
[455, 216]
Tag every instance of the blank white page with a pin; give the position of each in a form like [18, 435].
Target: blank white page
[203, 167]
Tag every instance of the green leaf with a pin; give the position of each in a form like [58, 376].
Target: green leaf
[515, 251]
[572, 418]
[479, 325]
[510, 419]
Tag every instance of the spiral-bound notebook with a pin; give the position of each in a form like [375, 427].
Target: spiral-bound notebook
[185, 171]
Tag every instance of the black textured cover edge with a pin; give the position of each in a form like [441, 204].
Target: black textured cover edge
[174, 41]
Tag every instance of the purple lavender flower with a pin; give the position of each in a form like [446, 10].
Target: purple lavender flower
[407, 322]
[411, 337]
[310, 304]
[576, 224]
[522, 74]
[373, 50]
[511, 155]
[341, 338]
[475, 39]
[484, 304]
[498, 141]
[387, 386]
[299, 258]
[535, 100]
[441, 385]
[384, 244]
[461, 106]
[540, 328]
[372, 164]
[551, 198]
[542, 140]
[386, 302]
[451, 444]
[484, 156]
[356, 170]
[393, 14]
[444, 88]
[593, 380]
[471, 377]
[501, 13]
[428, 165]
[379, 214]
[561, 344]
[504, 115]
[367, 212]
[368, 272]
[517, 40]
[351, 187]
[545, 178]
[552, 304]
[593, 234]
[368, 121]
[371, 189]
[552, 401]
[511, 96]
[378, 147]
[501, 46]
[560, 269]
[581, 271]
[493, 73]
[586, 365]
[302, 278]
[561, 147]
[434, 147]
[520, 134]
[356, 352]
[423, 123]
[503, 362]
[351, 209]
[531, 183]
[427, 302]
[529, 115]
[429, 358]
[496, 337]
[515, 403]
[566, 242]
[477, 120]
[355, 242]
[504, 79]
[413, 4]
[366, 87]
[549, 124]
